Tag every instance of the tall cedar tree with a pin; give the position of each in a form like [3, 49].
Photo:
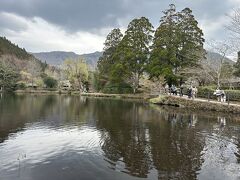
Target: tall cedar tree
[133, 51]
[108, 59]
[177, 43]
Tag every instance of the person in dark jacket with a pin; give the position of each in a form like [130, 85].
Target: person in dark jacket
[190, 92]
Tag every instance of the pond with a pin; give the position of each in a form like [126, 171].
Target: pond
[70, 137]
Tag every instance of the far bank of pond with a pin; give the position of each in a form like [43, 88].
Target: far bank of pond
[120, 96]
[198, 104]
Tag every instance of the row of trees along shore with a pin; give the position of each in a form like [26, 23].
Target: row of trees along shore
[176, 44]
[36, 75]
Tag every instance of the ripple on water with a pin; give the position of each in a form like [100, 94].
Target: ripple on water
[219, 158]
[39, 144]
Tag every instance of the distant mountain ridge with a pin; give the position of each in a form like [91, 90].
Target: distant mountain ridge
[56, 58]
[214, 59]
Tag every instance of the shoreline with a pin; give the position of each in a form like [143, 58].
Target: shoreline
[119, 96]
[163, 100]
[196, 104]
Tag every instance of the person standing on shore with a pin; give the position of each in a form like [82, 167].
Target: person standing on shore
[173, 90]
[194, 92]
[166, 88]
[181, 90]
[223, 96]
[219, 93]
[190, 92]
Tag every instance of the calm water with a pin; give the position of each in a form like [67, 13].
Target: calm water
[68, 138]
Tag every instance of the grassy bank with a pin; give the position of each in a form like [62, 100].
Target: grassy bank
[199, 104]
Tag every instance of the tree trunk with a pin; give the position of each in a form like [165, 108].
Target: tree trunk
[218, 80]
[79, 84]
[32, 84]
[134, 90]
[135, 83]
[3, 86]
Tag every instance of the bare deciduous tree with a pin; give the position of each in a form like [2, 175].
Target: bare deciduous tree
[34, 68]
[234, 25]
[223, 49]
[76, 71]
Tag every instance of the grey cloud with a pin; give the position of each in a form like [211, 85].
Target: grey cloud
[91, 15]
[13, 23]
[72, 15]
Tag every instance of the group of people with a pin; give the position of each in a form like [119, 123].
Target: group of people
[192, 92]
[221, 96]
[173, 90]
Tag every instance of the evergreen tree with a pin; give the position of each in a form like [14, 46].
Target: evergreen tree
[108, 59]
[177, 43]
[134, 50]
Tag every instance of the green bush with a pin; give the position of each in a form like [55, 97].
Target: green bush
[50, 82]
[204, 92]
[21, 86]
[234, 95]
[117, 88]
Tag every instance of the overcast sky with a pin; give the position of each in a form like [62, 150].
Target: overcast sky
[82, 25]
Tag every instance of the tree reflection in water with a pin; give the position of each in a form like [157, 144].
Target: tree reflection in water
[144, 140]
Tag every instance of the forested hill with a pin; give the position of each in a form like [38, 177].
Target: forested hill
[8, 48]
[18, 68]
[16, 57]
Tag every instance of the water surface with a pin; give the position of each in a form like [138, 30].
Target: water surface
[71, 137]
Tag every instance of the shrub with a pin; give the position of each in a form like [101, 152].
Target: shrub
[117, 88]
[21, 85]
[234, 95]
[204, 92]
[50, 82]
